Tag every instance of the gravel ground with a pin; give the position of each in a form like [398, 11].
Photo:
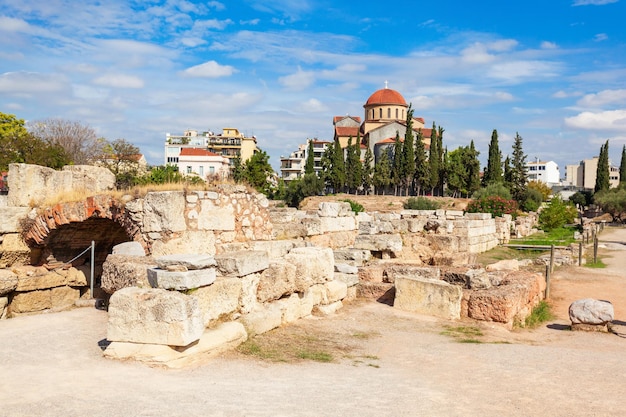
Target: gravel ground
[52, 365]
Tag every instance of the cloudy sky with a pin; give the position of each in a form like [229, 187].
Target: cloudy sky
[554, 71]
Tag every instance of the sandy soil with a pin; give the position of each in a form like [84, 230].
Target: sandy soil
[400, 364]
[381, 204]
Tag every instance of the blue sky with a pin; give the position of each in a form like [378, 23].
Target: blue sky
[554, 70]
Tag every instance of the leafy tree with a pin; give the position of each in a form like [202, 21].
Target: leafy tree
[582, 199]
[397, 168]
[382, 173]
[542, 187]
[258, 172]
[457, 172]
[517, 175]
[557, 214]
[338, 170]
[237, 170]
[421, 203]
[120, 156]
[493, 173]
[602, 172]
[299, 189]
[495, 189]
[421, 176]
[473, 169]
[622, 167]
[162, 175]
[612, 201]
[309, 166]
[408, 151]
[79, 141]
[531, 199]
[368, 171]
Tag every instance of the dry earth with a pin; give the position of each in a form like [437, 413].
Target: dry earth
[381, 204]
[392, 364]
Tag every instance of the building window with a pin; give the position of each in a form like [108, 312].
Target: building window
[380, 113]
[202, 170]
[388, 113]
[396, 113]
[211, 170]
[188, 169]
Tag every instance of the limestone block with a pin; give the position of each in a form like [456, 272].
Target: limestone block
[242, 263]
[294, 307]
[213, 217]
[478, 216]
[346, 269]
[39, 278]
[313, 225]
[188, 260]
[91, 178]
[399, 226]
[190, 241]
[120, 271]
[163, 211]
[11, 217]
[313, 266]
[289, 231]
[249, 288]
[33, 183]
[180, 280]
[417, 213]
[154, 316]
[277, 280]
[27, 302]
[336, 290]
[129, 249]
[349, 279]
[337, 224]
[430, 297]
[590, 311]
[64, 297]
[391, 243]
[504, 265]
[277, 248]
[334, 240]
[328, 309]
[367, 228]
[394, 272]
[335, 209]
[372, 273]
[13, 250]
[224, 337]
[351, 294]
[454, 214]
[351, 256]
[284, 215]
[379, 291]
[220, 299]
[318, 294]
[262, 320]
[8, 281]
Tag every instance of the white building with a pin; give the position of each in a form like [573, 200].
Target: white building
[292, 166]
[200, 162]
[546, 172]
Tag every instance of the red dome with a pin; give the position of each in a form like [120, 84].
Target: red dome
[385, 96]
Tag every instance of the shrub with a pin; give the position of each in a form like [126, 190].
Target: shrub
[557, 214]
[421, 203]
[495, 205]
[354, 206]
[497, 189]
[532, 199]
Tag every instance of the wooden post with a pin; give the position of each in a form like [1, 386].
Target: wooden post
[595, 249]
[547, 282]
[580, 253]
[552, 258]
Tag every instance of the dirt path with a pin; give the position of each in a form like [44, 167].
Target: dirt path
[399, 365]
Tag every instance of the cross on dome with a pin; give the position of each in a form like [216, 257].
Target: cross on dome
[386, 82]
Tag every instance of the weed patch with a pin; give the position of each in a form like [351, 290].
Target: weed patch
[540, 314]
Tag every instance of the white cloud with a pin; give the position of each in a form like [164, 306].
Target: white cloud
[31, 82]
[10, 24]
[614, 120]
[313, 106]
[600, 37]
[593, 2]
[603, 98]
[515, 71]
[548, 45]
[298, 81]
[210, 69]
[252, 22]
[479, 52]
[119, 81]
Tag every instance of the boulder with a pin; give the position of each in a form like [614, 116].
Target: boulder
[335, 209]
[504, 265]
[379, 243]
[590, 311]
[277, 280]
[154, 316]
[129, 249]
[121, 271]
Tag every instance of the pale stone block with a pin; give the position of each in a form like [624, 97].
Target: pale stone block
[162, 212]
[337, 224]
[394, 272]
[42, 279]
[313, 225]
[188, 260]
[313, 266]
[504, 265]
[13, 250]
[11, 217]
[242, 263]
[154, 316]
[351, 294]
[26, 302]
[219, 299]
[349, 279]
[120, 271]
[590, 311]
[327, 310]
[430, 297]
[129, 249]
[262, 320]
[351, 256]
[478, 216]
[249, 287]
[346, 269]
[391, 243]
[283, 215]
[64, 297]
[4, 302]
[8, 281]
[337, 290]
[453, 214]
[318, 294]
[277, 248]
[277, 280]
[334, 209]
[294, 307]
[180, 280]
[213, 217]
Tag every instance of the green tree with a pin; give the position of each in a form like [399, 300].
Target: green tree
[382, 173]
[353, 166]
[258, 172]
[434, 159]
[368, 171]
[457, 172]
[518, 175]
[408, 152]
[612, 201]
[542, 187]
[622, 167]
[309, 166]
[493, 173]
[162, 175]
[443, 154]
[473, 169]
[338, 172]
[421, 176]
[237, 170]
[557, 214]
[602, 172]
[120, 157]
[397, 168]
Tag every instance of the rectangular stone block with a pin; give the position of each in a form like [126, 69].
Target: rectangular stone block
[242, 263]
[313, 225]
[262, 320]
[335, 209]
[336, 290]
[220, 299]
[349, 279]
[188, 260]
[64, 297]
[391, 243]
[214, 217]
[27, 302]
[180, 281]
[277, 280]
[154, 316]
[429, 297]
[313, 266]
[277, 248]
[478, 216]
[337, 224]
[352, 256]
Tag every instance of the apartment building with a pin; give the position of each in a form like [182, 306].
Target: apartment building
[292, 166]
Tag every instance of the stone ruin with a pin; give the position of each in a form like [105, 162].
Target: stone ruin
[192, 272]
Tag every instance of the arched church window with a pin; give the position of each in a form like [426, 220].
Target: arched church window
[380, 113]
[396, 113]
[388, 113]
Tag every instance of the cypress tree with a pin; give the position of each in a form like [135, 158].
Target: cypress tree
[433, 160]
[622, 167]
[408, 154]
[397, 168]
[602, 172]
[382, 172]
[309, 166]
[368, 170]
[339, 168]
[493, 173]
[473, 169]
[443, 155]
[421, 177]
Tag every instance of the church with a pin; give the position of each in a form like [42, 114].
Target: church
[384, 116]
